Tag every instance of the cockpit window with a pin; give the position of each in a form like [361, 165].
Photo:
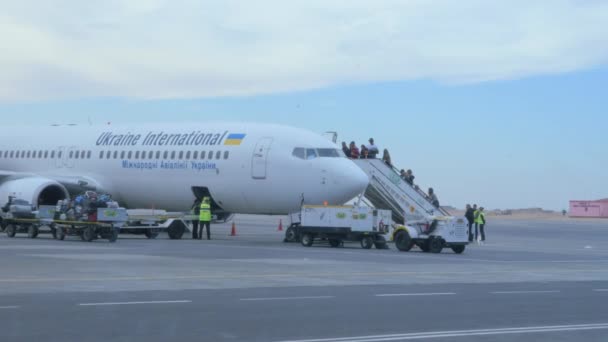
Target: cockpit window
[329, 152]
[311, 153]
[299, 152]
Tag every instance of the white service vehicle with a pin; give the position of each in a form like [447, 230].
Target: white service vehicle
[442, 232]
[336, 224]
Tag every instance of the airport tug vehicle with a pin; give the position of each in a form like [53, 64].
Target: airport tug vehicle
[337, 224]
[432, 236]
[19, 216]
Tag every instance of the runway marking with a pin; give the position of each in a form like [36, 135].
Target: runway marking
[138, 303]
[601, 290]
[462, 333]
[415, 294]
[284, 298]
[9, 307]
[525, 292]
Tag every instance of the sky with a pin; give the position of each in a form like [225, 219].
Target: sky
[499, 103]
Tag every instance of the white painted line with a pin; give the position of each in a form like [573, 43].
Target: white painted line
[284, 298]
[415, 294]
[9, 307]
[524, 292]
[601, 290]
[138, 303]
[462, 333]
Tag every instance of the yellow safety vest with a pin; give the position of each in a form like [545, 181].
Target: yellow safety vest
[479, 217]
[205, 214]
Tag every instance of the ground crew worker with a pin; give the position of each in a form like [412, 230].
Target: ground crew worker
[482, 224]
[196, 212]
[205, 218]
[480, 221]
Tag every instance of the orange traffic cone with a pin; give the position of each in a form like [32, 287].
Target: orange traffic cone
[233, 232]
[280, 226]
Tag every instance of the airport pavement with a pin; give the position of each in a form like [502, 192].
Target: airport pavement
[532, 281]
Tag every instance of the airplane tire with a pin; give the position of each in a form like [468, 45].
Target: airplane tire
[11, 230]
[403, 241]
[307, 240]
[176, 230]
[367, 242]
[459, 249]
[436, 245]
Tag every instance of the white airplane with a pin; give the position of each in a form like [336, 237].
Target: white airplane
[244, 168]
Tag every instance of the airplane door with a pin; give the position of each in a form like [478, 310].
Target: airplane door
[260, 158]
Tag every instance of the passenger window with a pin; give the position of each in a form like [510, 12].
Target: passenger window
[29, 153]
[157, 154]
[6, 154]
[143, 154]
[311, 153]
[71, 154]
[1, 154]
[166, 155]
[115, 154]
[100, 154]
[123, 154]
[226, 154]
[218, 155]
[109, 155]
[195, 155]
[12, 154]
[83, 154]
[89, 154]
[172, 155]
[181, 155]
[60, 154]
[210, 155]
[202, 154]
[52, 154]
[151, 155]
[188, 155]
[46, 154]
[130, 155]
[299, 152]
[77, 155]
[40, 154]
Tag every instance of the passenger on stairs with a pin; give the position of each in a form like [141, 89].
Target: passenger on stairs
[364, 152]
[346, 150]
[403, 175]
[410, 177]
[386, 158]
[354, 150]
[373, 149]
[433, 198]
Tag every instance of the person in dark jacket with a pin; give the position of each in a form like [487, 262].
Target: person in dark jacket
[433, 198]
[196, 211]
[346, 150]
[410, 177]
[470, 215]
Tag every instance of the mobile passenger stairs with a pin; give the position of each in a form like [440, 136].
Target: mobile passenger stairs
[418, 221]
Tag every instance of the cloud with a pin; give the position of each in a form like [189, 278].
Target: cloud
[185, 48]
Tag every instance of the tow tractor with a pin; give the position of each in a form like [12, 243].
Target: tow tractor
[337, 224]
[19, 216]
[433, 237]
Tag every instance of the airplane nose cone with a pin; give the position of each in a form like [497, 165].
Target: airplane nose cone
[356, 181]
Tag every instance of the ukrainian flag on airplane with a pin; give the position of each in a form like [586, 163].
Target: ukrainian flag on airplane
[234, 139]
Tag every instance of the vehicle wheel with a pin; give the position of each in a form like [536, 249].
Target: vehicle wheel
[436, 245]
[380, 242]
[403, 241]
[367, 242]
[459, 249]
[307, 240]
[424, 246]
[291, 235]
[11, 230]
[53, 232]
[176, 230]
[151, 233]
[60, 233]
[113, 235]
[335, 243]
[89, 234]
[2, 225]
[32, 232]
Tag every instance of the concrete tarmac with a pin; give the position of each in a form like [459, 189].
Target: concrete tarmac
[531, 281]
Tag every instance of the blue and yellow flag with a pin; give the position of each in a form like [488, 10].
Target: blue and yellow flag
[234, 139]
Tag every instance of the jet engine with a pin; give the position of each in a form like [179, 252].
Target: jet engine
[36, 190]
